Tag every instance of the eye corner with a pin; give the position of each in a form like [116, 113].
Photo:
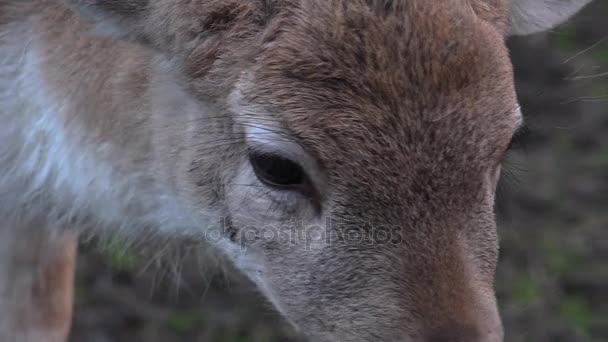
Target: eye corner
[518, 139]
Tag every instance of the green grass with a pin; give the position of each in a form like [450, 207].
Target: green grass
[119, 256]
[576, 311]
[526, 290]
[183, 322]
[559, 258]
[600, 158]
[601, 55]
[564, 144]
[566, 39]
[80, 295]
[599, 90]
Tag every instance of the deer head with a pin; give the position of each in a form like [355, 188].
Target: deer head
[352, 146]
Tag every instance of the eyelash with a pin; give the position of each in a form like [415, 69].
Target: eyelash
[519, 139]
[511, 170]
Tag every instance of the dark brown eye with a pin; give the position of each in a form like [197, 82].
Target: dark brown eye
[519, 139]
[277, 172]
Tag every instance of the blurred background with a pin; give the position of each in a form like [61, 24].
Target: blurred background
[552, 281]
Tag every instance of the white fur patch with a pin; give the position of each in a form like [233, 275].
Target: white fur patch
[50, 176]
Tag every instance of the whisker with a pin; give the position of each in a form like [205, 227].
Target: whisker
[594, 45]
[587, 77]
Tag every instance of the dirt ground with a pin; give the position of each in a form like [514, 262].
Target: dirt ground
[552, 281]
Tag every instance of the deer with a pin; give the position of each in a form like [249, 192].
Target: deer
[369, 132]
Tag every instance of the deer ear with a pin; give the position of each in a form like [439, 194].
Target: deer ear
[116, 18]
[531, 16]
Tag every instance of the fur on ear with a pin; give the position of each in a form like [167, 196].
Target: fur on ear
[532, 16]
[116, 18]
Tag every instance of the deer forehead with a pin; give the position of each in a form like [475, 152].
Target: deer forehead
[422, 80]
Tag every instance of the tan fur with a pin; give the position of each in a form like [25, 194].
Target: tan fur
[37, 285]
[399, 112]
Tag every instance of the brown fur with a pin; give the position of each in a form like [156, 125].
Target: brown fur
[404, 110]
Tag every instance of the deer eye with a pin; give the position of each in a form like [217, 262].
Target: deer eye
[518, 139]
[277, 172]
